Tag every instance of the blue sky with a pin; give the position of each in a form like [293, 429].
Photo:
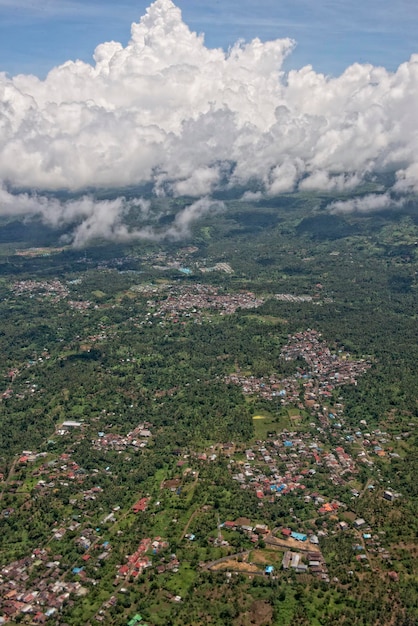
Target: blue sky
[36, 35]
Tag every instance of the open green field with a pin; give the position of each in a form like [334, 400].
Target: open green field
[289, 419]
[264, 423]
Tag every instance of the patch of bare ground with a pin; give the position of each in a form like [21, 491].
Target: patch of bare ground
[259, 614]
[171, 484]
[236, 566]
[350, 516]
[264, 557]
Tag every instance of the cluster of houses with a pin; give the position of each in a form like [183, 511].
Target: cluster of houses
[190, 300]
[164, 261]
[104, 333]
[150, 290]
[340, 463]
[267, 387]
[55, 290]
[301, 550]
[367, 543]
[52, 474]
[276, 467]
[140, 560]
[45, 288]
[297, 547]
[243, 524]
[28, 388]
[329, 369]
[182, 261]
[79, 305]
[56, 471]
[309, 386]
[315, 563]
[32, 587]
[136, 439]
[183, 257]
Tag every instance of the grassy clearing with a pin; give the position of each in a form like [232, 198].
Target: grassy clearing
[269, 319]
[180, 583]
[265, 422]
[98, 293]
[266, 557]
[290, 419]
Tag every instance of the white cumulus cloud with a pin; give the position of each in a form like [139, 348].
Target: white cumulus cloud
[168, 110]
[366, 204]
